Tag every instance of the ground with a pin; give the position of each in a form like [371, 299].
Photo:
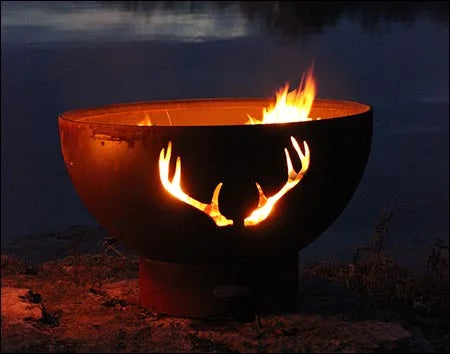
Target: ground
[57, 297]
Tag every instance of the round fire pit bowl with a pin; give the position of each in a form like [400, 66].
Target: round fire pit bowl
[112, 155]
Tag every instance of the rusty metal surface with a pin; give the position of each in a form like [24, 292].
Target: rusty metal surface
[114, 168]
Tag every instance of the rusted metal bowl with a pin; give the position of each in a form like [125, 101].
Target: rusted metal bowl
[113, 164]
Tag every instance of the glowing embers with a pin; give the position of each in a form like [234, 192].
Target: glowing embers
[291, 106]
[174, 188]
[265, 205]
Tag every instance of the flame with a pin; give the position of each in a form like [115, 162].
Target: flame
[146, 121]
[293, 106]
[265, 205]
[174, 188]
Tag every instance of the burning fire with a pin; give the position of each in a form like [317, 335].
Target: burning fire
[265, 205]
[291, 106]
[174, 188]
[146, 121]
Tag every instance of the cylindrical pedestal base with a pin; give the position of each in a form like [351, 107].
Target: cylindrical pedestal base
[239, 290]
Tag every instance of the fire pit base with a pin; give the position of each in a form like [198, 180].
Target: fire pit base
[240, 290]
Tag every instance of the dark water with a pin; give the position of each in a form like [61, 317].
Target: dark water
[58, 56]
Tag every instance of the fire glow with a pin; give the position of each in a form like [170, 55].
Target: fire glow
[265, 205]
[291, 106]
[174, 188]
[146, 121]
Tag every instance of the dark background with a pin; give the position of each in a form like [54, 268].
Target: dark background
[58, 56]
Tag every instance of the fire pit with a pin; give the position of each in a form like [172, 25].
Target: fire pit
[216, 207]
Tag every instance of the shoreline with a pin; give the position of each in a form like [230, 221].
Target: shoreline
[63, 298]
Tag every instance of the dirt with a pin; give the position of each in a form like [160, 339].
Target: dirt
[84, 302]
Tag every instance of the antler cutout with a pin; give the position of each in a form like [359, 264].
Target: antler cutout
[174, 188]
[265, 205]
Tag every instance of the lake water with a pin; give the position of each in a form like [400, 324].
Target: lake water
[58, 56]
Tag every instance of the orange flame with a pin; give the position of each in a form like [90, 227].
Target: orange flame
[146, 121]
[174, 188]
[265, 205]
[293, 106]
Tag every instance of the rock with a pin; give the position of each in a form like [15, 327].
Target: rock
[16, 308]
[123, 289]
[12, 265]
[105, 315]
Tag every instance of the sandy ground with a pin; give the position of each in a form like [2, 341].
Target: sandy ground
[61, 300]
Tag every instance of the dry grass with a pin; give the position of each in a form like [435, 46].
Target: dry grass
[422, 299]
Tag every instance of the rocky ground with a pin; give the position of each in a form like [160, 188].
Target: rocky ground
[69, 292]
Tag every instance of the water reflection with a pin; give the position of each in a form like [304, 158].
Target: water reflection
[48, 22]
[194, 21]
[299, 18]
[293, 19]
